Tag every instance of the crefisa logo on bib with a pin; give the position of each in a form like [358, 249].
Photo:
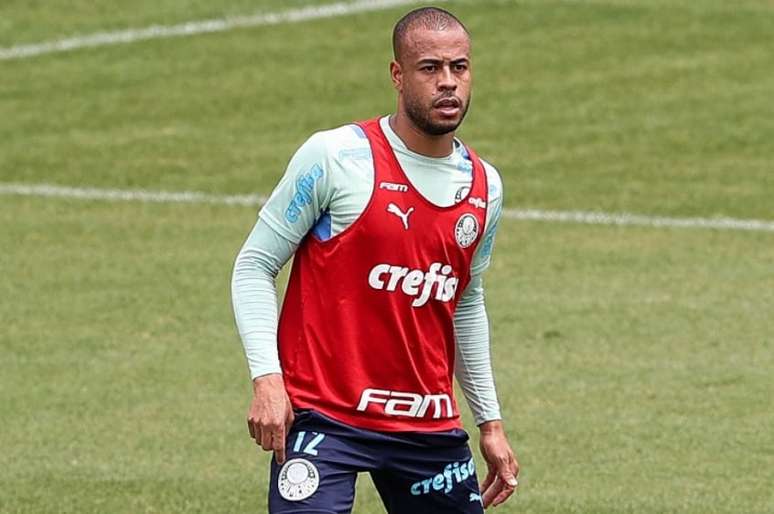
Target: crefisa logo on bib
[438, 282]
[466, 230]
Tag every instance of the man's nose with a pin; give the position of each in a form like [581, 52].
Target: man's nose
[447, 80]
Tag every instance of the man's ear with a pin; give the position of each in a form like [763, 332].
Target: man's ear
[396, 74]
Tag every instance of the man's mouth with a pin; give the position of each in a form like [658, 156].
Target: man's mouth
[449, 106]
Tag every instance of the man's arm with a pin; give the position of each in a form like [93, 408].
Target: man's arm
[290, 213]
[473, 370]
[473, 364]
[254, 298]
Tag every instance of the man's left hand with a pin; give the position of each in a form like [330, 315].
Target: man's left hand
[503, 468]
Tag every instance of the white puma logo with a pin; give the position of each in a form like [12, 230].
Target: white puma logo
[476, 497]
[394, 209]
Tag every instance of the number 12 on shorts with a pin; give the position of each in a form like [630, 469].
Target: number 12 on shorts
[311, 445]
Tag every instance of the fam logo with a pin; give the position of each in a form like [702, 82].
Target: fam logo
[466, 230]
[438, 282]
[453, 474]
[304, 187]
[412, 405]
[392, 186]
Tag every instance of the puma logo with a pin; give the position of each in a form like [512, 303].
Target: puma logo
[475, 497]
[394, 209]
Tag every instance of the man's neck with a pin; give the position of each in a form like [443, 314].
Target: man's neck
[418, 141]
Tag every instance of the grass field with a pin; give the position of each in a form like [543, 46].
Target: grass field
[634, 365]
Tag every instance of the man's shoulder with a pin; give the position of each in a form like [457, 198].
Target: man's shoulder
[337, 143]
[494, 181]
[492, 173]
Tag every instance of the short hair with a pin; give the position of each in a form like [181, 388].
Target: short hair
[432, 18]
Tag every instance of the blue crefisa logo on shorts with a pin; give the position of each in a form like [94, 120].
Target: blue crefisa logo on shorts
[453, 474]
[304, 188]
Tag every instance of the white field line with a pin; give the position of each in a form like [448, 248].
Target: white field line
[602, 218]
[128, 195]
[583, 217]
[198, 27]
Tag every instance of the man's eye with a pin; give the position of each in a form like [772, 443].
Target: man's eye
[429, 67]
[460, 67]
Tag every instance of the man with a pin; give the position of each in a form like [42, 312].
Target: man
[391, 222]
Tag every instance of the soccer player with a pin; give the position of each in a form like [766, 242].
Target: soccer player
[392, 223]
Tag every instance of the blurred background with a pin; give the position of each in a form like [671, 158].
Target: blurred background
[634, 355]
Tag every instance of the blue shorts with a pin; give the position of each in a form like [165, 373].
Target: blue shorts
[428, 473]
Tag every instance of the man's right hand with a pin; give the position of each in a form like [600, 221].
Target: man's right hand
[271, 415]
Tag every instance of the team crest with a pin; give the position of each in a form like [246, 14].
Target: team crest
[298, 480]
[466, 230]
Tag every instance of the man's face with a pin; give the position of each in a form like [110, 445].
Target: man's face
[433, 78]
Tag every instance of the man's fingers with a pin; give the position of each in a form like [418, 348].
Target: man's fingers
[251, 428]
[258, 434]
[491, 492]
[279, 454]
[289, 421]
[513, 466]
[508, 483]
[266, 437]
[278, 445]
[503, 495]
[509, 477]
[500, 489]
[490, 487]
[490, 476]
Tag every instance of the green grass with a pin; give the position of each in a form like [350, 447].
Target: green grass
[633, 364]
